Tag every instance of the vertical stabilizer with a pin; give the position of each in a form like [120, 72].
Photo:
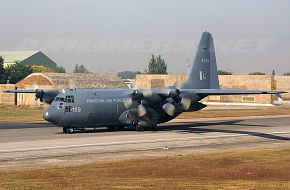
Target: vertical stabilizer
[204, 70]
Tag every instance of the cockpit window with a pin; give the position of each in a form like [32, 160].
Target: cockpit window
[59, 99]
[70, 99]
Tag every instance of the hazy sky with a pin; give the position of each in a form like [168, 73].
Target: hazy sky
[116, 35]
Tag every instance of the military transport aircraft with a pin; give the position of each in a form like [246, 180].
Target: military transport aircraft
[75, 109]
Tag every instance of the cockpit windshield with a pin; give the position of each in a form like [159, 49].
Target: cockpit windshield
[59, 99]
[70, 99]
[67, 99]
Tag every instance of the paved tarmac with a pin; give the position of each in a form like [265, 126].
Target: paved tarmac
[30, 144]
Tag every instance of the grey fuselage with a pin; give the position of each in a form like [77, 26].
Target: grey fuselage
[99, 107]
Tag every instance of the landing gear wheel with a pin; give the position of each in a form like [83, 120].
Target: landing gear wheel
[68, 130]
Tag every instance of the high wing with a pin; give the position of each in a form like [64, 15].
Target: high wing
[208, 92]
[44, 95]
[20, 91]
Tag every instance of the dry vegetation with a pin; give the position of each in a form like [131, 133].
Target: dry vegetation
[20, 114]
[212, 113]
[260, 169]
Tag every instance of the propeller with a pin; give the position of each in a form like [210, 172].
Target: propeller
[34, 86]
[137, 97]
[39, 94]
[141, 110]
[128, 102]
[169, 109]
[71, 84]
[177, 99]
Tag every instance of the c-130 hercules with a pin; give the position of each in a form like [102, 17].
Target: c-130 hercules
[140, 108]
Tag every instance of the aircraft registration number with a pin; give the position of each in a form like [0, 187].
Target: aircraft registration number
[73, 109]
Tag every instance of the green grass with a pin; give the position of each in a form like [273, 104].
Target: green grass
[251, 169]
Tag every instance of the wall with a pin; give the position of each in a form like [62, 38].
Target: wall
[151, 81]
[249, 82]
[283, 83]
[7, 98]
[246, 82]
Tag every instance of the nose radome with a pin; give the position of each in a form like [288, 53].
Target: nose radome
[46, 115]
[50, 115]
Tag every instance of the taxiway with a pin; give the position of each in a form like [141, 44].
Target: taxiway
[21, 142]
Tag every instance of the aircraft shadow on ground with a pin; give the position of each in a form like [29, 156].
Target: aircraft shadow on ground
[202, 127]
[196, 128]
[25, 125]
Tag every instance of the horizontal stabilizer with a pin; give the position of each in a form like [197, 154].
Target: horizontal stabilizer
[208, 92]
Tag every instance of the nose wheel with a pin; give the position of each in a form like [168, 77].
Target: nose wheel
[68, 130]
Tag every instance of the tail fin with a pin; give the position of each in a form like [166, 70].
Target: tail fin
[204, 70]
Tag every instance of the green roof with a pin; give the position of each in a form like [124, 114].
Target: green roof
[27, 57]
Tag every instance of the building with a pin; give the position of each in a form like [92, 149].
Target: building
[27, 57]
[65, 80]
[245, 82]
[56, 81]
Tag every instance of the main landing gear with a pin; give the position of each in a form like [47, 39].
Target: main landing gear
[139, 127]
[68, 130]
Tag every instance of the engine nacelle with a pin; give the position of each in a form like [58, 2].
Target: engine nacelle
[197, 106]
[131, 117]
[46, 96]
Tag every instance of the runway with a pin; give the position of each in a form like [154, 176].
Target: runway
[35, 143]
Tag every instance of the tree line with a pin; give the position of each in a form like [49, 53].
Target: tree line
[156, 65]
[15, 72]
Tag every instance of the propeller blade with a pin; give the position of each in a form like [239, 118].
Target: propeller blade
[147, 93]
[141, 110]
[71, 84]
[39, 94]
[169, 109]
[178, 84]
[185, 102]
[165, 92]
[33, 102]
[34, 86]
[128, 102]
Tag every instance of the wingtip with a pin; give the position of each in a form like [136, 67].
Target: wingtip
[280, 92]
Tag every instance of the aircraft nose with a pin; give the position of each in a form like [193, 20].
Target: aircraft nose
[51, 116]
